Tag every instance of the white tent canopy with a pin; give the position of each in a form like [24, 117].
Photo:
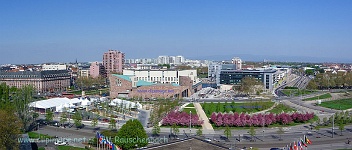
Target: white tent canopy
[57, 103]
[124, 103]
[85, 102]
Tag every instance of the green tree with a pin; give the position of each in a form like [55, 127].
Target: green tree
[49, 116]
[77, 119]
[112, 123]
[35, 116]
[247, 85]
[94, 122]
[175, 129]
[280, 132]
[132, 129]
[63, 118]
[199, 132]
[252, 132]
[341, 126]
[156, 129]
[227, 131]
[10, 129]
[325, 121]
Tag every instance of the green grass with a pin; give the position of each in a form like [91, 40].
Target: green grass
[35, 135]
[251, 107]
[41, 148]
[190, 105]
[324, 96]
[193, 110]
[297, 92]
[281, 107]
[69, 148]
[90, 92]
[341, 104]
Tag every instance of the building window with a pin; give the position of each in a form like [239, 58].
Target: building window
[118, 82]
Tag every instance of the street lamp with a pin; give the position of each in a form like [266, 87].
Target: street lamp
[38, 130]
[333, 125]
[190, 123]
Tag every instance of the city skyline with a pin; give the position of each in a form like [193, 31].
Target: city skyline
[42, 31]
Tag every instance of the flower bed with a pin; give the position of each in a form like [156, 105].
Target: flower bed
[181, 119]
[258, 120]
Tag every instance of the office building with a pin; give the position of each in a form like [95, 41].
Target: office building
[46, 67]
[43, 81]
[154, 83]
[234, 77]
[113, 61]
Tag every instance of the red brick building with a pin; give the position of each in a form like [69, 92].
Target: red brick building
[122, 86]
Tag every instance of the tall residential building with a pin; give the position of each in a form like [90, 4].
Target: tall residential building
[163, 60]
[96, 70]
[179, 59]
[238, 62]
[113, 61]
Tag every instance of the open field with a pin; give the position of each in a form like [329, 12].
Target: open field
[341, 104]
[297, 92]
[324, 96]
[251, 107]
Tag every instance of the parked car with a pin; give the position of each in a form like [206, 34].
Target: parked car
[59, 143]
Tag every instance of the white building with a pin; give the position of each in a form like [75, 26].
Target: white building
[179, 60]
[54, 67]
[163, 60]
[161, 76]
[238, 62]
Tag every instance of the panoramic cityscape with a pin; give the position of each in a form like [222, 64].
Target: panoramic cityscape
[124, 75]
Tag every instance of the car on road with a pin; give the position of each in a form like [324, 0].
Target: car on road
[60, 143]
[207, 139]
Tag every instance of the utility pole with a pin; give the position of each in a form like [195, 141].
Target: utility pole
[333, 125]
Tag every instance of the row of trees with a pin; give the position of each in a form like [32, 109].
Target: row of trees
[15, 115]
[250, 85]
[181, 119]
[258, 120]
[330, 80]
[85, 83]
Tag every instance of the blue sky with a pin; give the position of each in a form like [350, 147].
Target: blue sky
[61, 31]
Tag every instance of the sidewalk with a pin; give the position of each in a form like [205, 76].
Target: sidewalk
[206, 125]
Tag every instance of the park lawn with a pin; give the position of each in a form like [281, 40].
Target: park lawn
[341, 104]
[297, 92]
[281, 107]
[190, 105]
[193, 110]
[35, 135]
[324, 96]
[251, 107]
[41, 148]
[69, 148]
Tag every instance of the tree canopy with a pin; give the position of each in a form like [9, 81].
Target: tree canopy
[133, 129]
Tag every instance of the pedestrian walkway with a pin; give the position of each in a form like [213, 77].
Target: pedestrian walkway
[263, 111]
[206, 125]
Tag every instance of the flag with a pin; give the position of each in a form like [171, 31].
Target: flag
[98, 135]
[299, 145]
[294, 145]
[303, 143]
[307, 140]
